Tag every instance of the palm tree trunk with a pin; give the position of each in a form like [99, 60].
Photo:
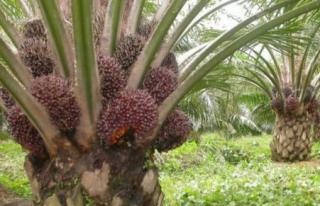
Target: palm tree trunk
[292, 140]
[316, 126]
[118, 177]
[316, 133]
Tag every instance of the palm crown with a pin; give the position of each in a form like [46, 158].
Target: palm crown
[93, 82]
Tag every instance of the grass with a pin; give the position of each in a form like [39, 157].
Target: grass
[12, 175]
[236, 172]
[216, 171]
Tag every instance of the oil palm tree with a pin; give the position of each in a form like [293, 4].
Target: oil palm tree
[289, 79]
[214, 104]
[92, 92]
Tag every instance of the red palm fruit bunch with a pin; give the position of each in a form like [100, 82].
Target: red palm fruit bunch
[287, 91]
[277, 104]
[313, 106]
[132, 111]
[292, 104]
[171, 63]
[128, 50]
[287, 102]
[291, 100]
[34, 29]
[35, 51]
[24, 133]
[55, 94]
[6, 98]
[145, 29]
[160, 83]
[132, 114]
[135, 112]
[127, 117]
[174, 131]
[112, 78]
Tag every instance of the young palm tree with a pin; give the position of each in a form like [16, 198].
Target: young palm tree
[290, 81]
[214, 104]
[92, 93]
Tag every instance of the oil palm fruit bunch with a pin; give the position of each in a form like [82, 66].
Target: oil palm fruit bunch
[24, 133]
[95, 93]
[8, 102]
[174, 131]
[34, 50]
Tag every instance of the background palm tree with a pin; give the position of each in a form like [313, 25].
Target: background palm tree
[215, 104]
[95, 91]
[288, 77]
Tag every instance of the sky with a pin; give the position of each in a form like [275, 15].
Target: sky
[226, 22]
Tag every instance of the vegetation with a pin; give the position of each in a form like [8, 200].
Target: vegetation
[214, 172]
[289, 80]
[93, 91]
[236, 172]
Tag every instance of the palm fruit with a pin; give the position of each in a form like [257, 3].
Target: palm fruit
[171, 63]
[313, 106]
[128, 50]
[34, 29]
[277, 105]
[146, 28]
[54, 93]
[174, 131]
[287, 91]
[6, 98]
[160, 83]
[103, 2]
[36, 55]
[24, 133]
[113, 78]
[292, 103]
[133, 111]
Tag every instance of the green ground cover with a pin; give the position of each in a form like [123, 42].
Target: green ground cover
[237, 173]
[214, 171]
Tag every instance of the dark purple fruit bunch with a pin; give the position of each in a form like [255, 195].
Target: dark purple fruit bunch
[128, 50]
[112, 78]
[313, 106]
[133, 111]
[174, 131]
[24, 133]
[160, 83]
[103, 2]
[277, 105]
[54, 93]
[287, 91]
[171, 63]
[6, 98]
[35, 54]
[146, 28]
[34, 50]
[34, 29]
[292, 103]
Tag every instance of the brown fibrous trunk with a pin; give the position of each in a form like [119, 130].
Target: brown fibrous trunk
[292, 139]
[119, 176]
